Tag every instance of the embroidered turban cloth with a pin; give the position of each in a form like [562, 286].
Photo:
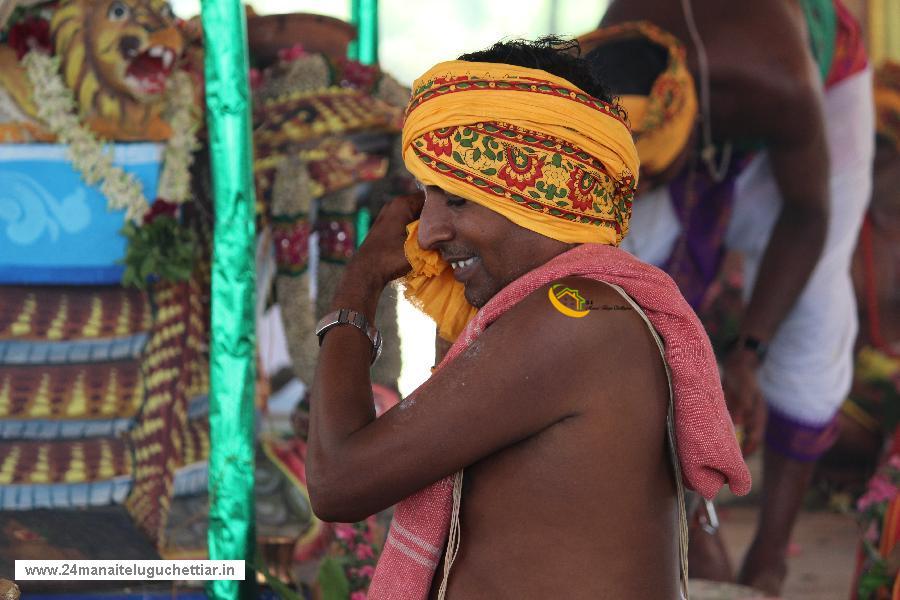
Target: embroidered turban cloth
[887, 102]
[531, 146]
[663, 120]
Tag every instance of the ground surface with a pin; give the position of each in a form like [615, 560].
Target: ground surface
[822, 561]
[823, 551]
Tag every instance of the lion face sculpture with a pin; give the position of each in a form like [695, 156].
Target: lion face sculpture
[116, 57]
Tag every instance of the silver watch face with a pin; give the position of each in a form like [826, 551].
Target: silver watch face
[330, 320]
[346, 316]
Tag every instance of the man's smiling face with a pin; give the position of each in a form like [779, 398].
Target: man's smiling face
[486, 250]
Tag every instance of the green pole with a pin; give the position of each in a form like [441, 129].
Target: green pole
[364, 14]
[353, 47]
[363, 220]
[368, 31]
[232, 346]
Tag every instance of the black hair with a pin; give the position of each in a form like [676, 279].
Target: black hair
[629, 65]
[550, 53]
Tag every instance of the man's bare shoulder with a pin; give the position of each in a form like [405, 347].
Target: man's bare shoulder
[763, 78]
[763, 75]
[582, 321]
[729, 30]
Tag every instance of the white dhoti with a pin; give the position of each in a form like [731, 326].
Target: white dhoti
[809, 367]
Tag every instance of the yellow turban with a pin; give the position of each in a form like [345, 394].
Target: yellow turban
[662, 121]
[887, 101]
[524, 143]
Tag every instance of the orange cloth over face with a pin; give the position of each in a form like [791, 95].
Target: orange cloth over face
[431, 288]
[663, 120]
[531, 146]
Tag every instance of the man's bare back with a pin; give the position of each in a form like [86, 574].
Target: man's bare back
[556, 415]
[580, 506]
[559, 423]
[756, 52]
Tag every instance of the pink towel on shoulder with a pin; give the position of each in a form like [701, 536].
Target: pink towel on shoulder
[707, 448]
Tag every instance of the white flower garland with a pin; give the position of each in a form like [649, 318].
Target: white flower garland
[175, 181]
[56, 107]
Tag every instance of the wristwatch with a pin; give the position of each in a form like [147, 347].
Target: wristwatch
[346, 316]
[748, 342]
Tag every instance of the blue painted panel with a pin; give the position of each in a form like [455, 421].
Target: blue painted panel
[54, 228]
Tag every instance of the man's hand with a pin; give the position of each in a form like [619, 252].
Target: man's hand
[381, 254]
[744, 398]
[380, 259]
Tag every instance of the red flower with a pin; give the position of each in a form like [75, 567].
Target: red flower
[880, 489]
[160, 208]
[345, 532]
[366, 571]
[291, 245]
[291, 54]
[31, 34]
[23, 534]
[354, 74]
[256, 79]
[581, 186]
[521, 169]
[438, 141]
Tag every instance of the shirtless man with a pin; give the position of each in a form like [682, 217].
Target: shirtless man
[556, 412]
[765, 87]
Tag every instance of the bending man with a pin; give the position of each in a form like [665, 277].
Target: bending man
[779, 169]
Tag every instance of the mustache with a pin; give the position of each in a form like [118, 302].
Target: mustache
[455, 251]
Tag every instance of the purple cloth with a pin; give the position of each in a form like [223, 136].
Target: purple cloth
[703, 211]
[797, 440]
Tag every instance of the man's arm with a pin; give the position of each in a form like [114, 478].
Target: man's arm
[520, 377]
[493, 395]
[798, 153]
[785, 107]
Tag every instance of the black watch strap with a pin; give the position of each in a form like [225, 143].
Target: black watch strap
[753, 344]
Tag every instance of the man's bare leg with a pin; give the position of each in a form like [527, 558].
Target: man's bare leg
[785, 481]
[707, 555]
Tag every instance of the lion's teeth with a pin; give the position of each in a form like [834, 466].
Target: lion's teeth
[157, 51]
[168, 58]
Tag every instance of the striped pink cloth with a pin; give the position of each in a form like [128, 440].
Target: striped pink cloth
[707, 448]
